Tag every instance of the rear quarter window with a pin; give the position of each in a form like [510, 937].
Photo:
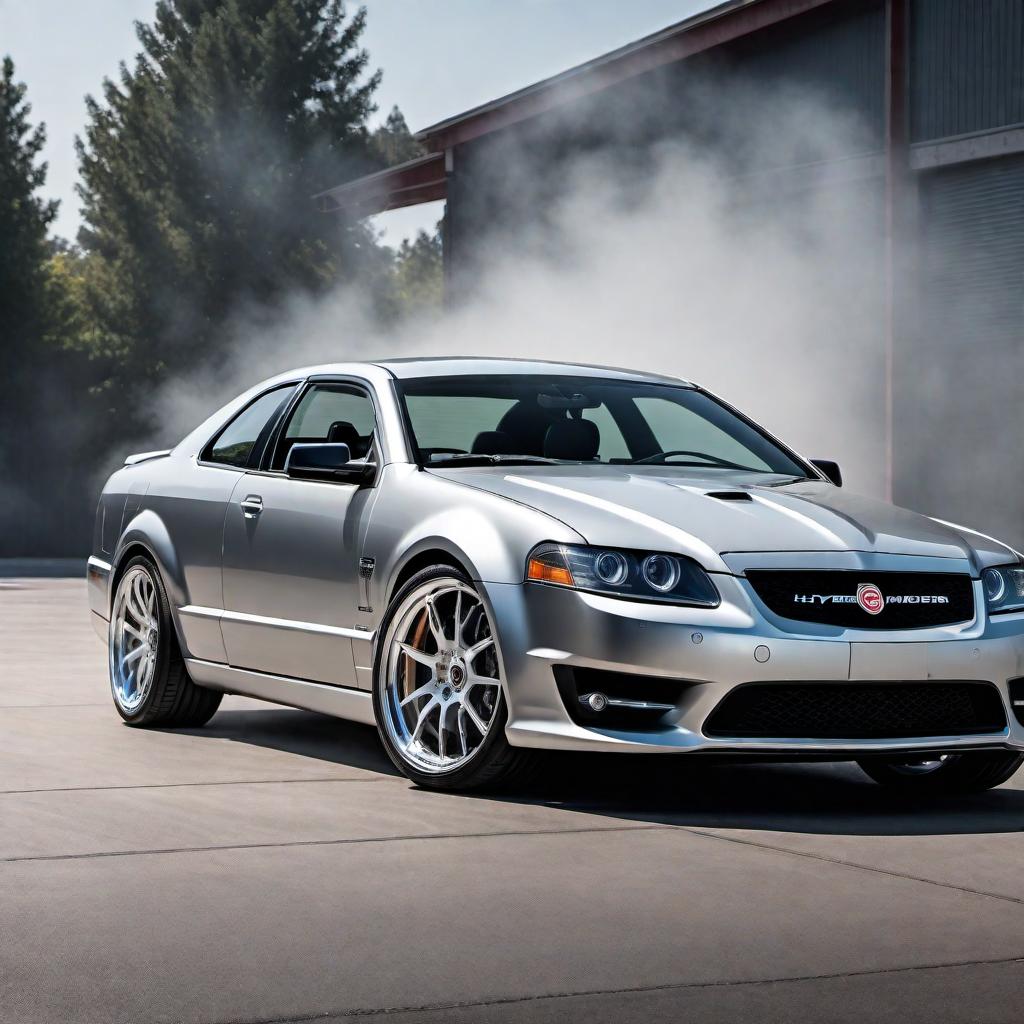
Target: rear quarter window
[235, 444]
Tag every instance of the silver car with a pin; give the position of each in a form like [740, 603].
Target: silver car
[490, 558]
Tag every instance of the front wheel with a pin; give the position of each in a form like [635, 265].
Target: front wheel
[437, 690]
[945, 774]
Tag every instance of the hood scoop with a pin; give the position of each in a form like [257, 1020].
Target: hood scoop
[729, 495]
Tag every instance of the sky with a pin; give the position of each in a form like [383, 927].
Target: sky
[439, 57]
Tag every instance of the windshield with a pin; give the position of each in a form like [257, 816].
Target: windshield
[463, 421]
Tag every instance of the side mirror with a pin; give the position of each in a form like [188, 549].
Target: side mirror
[830, 469]
[328, 462]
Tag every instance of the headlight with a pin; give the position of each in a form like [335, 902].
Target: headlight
[1004, 588]
[639, 575]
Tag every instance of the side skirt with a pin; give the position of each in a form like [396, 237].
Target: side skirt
[339, 701]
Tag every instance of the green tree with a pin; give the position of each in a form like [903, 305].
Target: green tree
[24, 220]
[198, 170]
[418, 275]
[44, 385]
[392, 142]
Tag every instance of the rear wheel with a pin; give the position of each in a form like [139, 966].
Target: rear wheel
[944, 774]
[437, 692]
[148, 679]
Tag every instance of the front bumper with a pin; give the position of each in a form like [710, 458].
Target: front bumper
[542, 627]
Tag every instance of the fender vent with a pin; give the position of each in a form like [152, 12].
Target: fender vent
[729, 495]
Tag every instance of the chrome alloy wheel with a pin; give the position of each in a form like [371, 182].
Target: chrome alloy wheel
[134, 639]
[441, 684]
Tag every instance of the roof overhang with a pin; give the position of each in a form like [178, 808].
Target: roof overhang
[424, 180]
[417, 181]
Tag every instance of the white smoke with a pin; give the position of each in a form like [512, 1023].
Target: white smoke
[709, 266]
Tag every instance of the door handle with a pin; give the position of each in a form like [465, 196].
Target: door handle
[252, 506]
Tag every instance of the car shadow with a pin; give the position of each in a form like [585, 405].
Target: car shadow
[811, 798]
[816, 798]
[304, 733]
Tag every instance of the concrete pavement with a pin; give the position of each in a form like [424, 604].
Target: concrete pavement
[272, 867]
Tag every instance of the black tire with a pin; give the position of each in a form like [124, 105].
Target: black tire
[971, 772]
[173, 700]
[495, 764]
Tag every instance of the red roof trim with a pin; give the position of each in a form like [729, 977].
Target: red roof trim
[422, 180]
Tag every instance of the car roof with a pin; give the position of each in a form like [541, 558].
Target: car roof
[457, 366]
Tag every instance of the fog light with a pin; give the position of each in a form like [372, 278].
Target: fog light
[594, 701]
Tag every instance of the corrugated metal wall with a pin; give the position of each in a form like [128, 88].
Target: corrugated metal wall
[967, 66]
[960, 364]
[961, 374]
[836, 54]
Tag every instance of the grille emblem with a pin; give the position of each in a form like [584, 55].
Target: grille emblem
[869, 597]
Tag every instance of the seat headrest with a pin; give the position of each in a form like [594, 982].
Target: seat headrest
[572, 439]
[493, 442]
[526, 424]
[343, 432]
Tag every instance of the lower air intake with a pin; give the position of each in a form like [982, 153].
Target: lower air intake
[858, 710]
[1017, 699]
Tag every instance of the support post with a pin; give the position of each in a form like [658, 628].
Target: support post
[897, 157]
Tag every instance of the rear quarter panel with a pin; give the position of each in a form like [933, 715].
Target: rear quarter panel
[173, 508]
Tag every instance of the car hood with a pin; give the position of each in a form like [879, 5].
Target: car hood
[702, 515]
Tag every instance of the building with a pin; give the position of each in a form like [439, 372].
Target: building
[939, 87]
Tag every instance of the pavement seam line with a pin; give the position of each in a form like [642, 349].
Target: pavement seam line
[840, 862]
[625, 990]
[183, 785]
[350, 841]
[48, 707]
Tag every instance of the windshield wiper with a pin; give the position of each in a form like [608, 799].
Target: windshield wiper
[471, 459]
[791, 478]
[709, 461]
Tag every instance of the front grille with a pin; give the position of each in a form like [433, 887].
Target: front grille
[911, 600]
[858, 710]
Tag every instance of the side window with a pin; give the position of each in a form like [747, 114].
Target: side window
[250, 429]
[335, 413]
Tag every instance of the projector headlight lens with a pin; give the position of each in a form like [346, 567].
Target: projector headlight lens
[638, 575]
[995, 585]
[612, 568]
[1004, 588]
[661, 572]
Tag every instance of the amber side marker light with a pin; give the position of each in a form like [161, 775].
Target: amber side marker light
[545, 573]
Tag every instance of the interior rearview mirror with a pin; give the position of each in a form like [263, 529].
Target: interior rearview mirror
[327, 461]
[830, 469]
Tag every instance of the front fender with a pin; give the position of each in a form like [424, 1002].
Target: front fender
[487, 534]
